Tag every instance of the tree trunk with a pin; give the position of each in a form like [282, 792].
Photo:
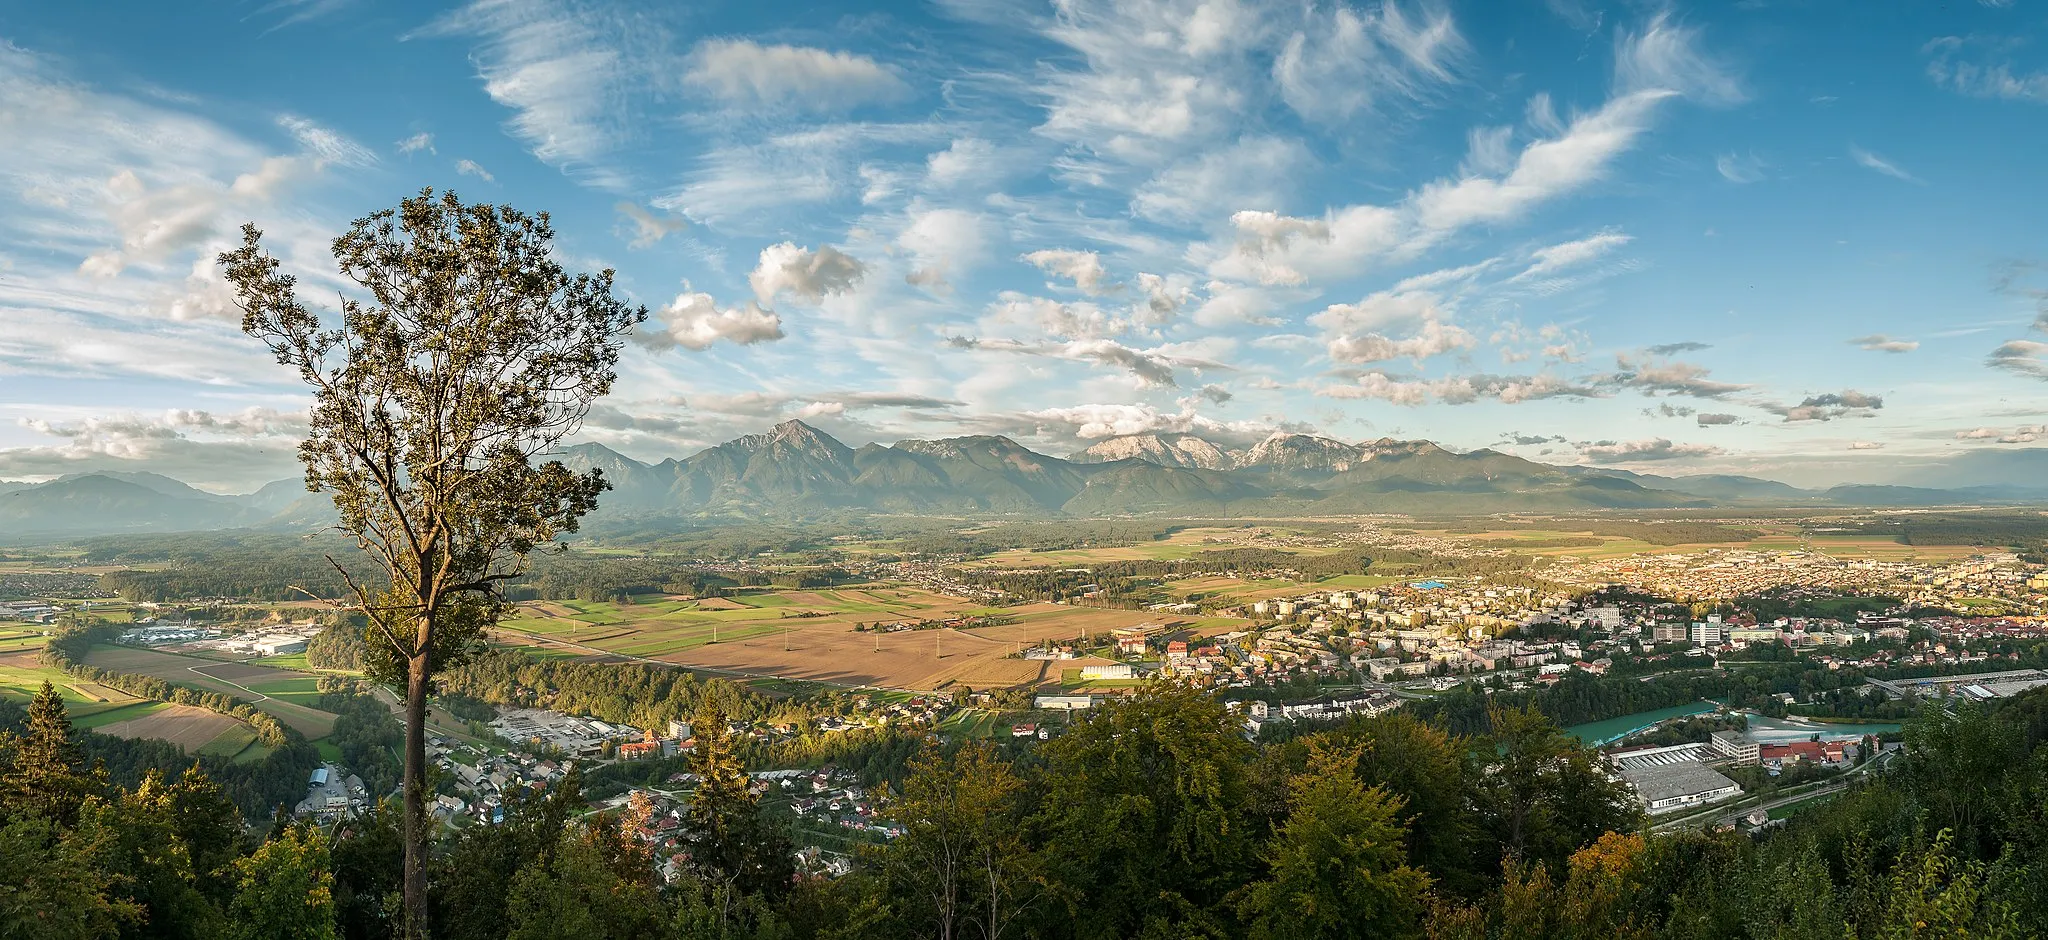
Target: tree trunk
[416, 820]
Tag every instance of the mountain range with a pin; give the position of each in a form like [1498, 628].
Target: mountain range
[793, 472]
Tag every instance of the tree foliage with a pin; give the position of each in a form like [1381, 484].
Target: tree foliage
[466, 352]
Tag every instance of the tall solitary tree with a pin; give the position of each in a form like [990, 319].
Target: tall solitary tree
[465, 353]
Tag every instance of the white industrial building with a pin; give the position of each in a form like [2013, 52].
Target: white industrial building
[1671, 787]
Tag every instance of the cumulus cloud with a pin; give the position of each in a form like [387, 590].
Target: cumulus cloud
[468, 167]
[693, 321]
[416, 143]
[647, 227]
[1642, 451]
[1866, 445]
[744, 72]
[1672, 349]
[1264, 239]
[1432, 338]
[808, 274]
[1708, 420]
[945, 243]
[1084, 268]
[1878, 342]
[1357, 333]
[1164, 296]
[964, 159]
[2025, 434]
[1846, 403]
[1653, 376]
[1053, 318]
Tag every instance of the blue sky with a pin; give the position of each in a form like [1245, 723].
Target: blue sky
[1799, 240]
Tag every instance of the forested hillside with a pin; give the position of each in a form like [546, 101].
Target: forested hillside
[1150, 818]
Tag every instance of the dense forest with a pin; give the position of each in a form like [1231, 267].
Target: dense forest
[1149, 818]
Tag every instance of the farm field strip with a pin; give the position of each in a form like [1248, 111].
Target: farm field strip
[183, 725]
[214, 676]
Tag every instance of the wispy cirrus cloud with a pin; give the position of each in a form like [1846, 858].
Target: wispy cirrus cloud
[569, 71]
[1871, 161]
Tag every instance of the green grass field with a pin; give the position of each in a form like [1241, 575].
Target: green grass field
[974, 723]
[230, 743]
[102, 718]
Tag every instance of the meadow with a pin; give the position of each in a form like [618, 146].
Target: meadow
[242, 680]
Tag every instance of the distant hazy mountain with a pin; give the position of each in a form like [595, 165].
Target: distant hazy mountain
[101, 504]
[2023, 469]
[1714, 486]
[793, 472]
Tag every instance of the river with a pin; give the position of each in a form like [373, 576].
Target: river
[1599, 733]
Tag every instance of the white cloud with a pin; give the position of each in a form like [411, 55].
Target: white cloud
[743, 72]
[326, 145]
[1252, 171]
[1872, 161]
[416, 143]
[1981, 79]
[1165, 295]
[1084, 268]
[693, 321]
[1229, 304]
[1081, 424]
[564, 70]
[1053, 318]
[1644, 451]
[1343, 60]
[235, 451]
[1667, 56]
[1739, 168]
[1878, 342]
[1866, 445]
[1432, 338]
[946, 243]
[1572, 254]
[2023, 357]
[1456, 390]
[1497, 185]
[648, 228]
[1152, 368]
[468, 167]
[1378, 311]
[808, 274]
[964, 159]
